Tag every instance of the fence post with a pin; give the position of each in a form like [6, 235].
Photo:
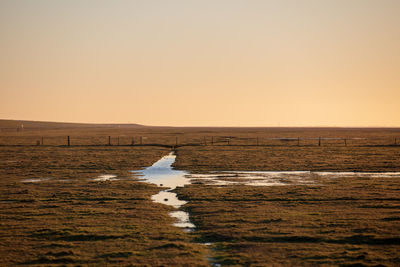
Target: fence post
[133, 141]
[68, 141]
[298, 141]
[345, 142]
[109, 140]
[141, 140]
[118, 140]
[319, 141]
[257, 140]
[212, 140]
[205, 141]
[42, 141]
[395, 141]
[228, 140]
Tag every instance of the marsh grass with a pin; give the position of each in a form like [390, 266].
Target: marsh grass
[339, 159]
[336, 221]
[55, 134]
[69, 219]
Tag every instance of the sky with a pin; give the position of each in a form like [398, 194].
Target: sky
[202, 63]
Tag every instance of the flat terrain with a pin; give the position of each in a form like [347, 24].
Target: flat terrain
[335, 221]
[66, 217]
[71, 219]
[289, 158]
[55, 134]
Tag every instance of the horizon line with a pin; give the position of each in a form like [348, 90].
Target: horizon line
[203, 126]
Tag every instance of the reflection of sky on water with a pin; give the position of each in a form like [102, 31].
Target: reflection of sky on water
[106, 177]
[276, 178]
[161, 173]
[168, 198]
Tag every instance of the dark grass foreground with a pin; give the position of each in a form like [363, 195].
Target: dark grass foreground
[348, 221]
[71, 220]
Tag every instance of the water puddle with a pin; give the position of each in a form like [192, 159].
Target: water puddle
[253, 178]
[360, 174]
[276, 178]
[168, 198]
[106, 177]
[182, 219]
[162, 174]
[35, 180]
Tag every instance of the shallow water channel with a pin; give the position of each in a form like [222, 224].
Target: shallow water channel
[162, 174]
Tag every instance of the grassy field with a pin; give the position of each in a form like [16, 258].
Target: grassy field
[69, 218]
[337, 222]
[289, 158]
[55, 134]
[345, 221]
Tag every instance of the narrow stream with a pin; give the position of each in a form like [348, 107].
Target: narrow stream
[162, 174]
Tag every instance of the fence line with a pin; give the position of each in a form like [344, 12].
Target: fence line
[176, 141]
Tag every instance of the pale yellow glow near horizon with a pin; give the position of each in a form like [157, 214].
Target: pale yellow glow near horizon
[202, 63]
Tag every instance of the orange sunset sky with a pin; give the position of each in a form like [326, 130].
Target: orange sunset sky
[202, 63]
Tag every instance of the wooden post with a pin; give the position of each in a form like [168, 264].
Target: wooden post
[141, 140]
[133, 141]
[205, 141]
[257, 140]
[42, 141]
[228, 139]
[109, 140]
[319, 141]
[68, 141]
[212, 140]
[298, 141]
[345, 142]
[118, 140]
[395, 141]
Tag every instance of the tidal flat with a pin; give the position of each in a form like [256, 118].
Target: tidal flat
[71, 218]
[342, 220]
[82, 205]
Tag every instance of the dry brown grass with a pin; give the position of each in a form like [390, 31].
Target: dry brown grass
[340, 222]
[70, 219]
[74, 162]
[281, 158]
[92, 134]
[343, 221]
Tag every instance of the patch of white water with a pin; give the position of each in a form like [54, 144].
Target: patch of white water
[182, 219]
[360, 174]
[106, 177]
[277, 178]
[35, 180]
[168, 198]
[162, 174]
